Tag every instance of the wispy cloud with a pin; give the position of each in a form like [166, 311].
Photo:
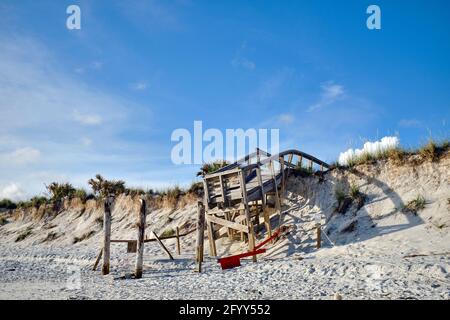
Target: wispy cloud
[21, 156]
[154, 14]
[410, 123]
[241, 61]
[49, 117]
[330, 93]
[139, 86]
[286, 118]
[87, 119]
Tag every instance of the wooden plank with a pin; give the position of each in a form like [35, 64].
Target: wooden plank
[106, 235]
[211, 240]
[140, 239]
[200, 234]
[251, 231]
[260, 184]
[277, 198]
[177, 231]
[319, 235]
[131, 246]
[206, 194]
[226, 223]
[163, 246]
[98, 259]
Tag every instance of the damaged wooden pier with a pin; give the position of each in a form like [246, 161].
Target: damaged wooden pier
[237, 195]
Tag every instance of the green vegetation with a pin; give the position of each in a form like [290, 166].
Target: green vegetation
[303, 171]
[167, 233]
[59, 191]
[104, 188]
[431, 151]
[3, 221]
[7, 204]
[135, 192]
[85, 236]
[354, 192]
[28, 231]
[345, 199]
[211, 167]
[34, 202]
[415, 205]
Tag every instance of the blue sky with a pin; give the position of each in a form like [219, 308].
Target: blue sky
[106, 98]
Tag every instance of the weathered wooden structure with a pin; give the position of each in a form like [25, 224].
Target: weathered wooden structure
[133, 246]
[236, 196]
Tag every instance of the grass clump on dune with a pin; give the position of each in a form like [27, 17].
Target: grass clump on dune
[415, 205]
[431, 151]
[28, 231]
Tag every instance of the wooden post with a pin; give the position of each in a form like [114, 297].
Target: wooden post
[178, 240]
[277, 198]
[140, 239]
[211, 240]
[106, 234]
[319, 235]
[251, 230]
[200, 234]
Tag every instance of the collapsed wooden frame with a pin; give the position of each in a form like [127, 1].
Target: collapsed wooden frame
[236, 196]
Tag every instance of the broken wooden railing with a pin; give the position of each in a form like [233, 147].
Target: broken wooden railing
[133, 246]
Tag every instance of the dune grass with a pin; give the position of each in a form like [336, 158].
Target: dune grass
[431, 151]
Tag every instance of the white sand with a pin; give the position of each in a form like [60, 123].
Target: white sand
[366, 263]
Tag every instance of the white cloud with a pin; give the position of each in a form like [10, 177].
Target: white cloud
[87, 119]
[86, 142]
[21, 156]
[243, 63]
[371, 148]
[410, 123]
[240, 61]
[139, 86]
[97, 65]
[286, 118]
[330, 92]
[12, 192]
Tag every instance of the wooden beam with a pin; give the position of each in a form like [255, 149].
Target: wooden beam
[277, 198]
[251, 231]
[200, 234]
[206, 193]
[162, 245]
[106, 234]
[211, 240]
[177, 231]
[226, 223]
[319, 235]
[140, 239]
[98, 259]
